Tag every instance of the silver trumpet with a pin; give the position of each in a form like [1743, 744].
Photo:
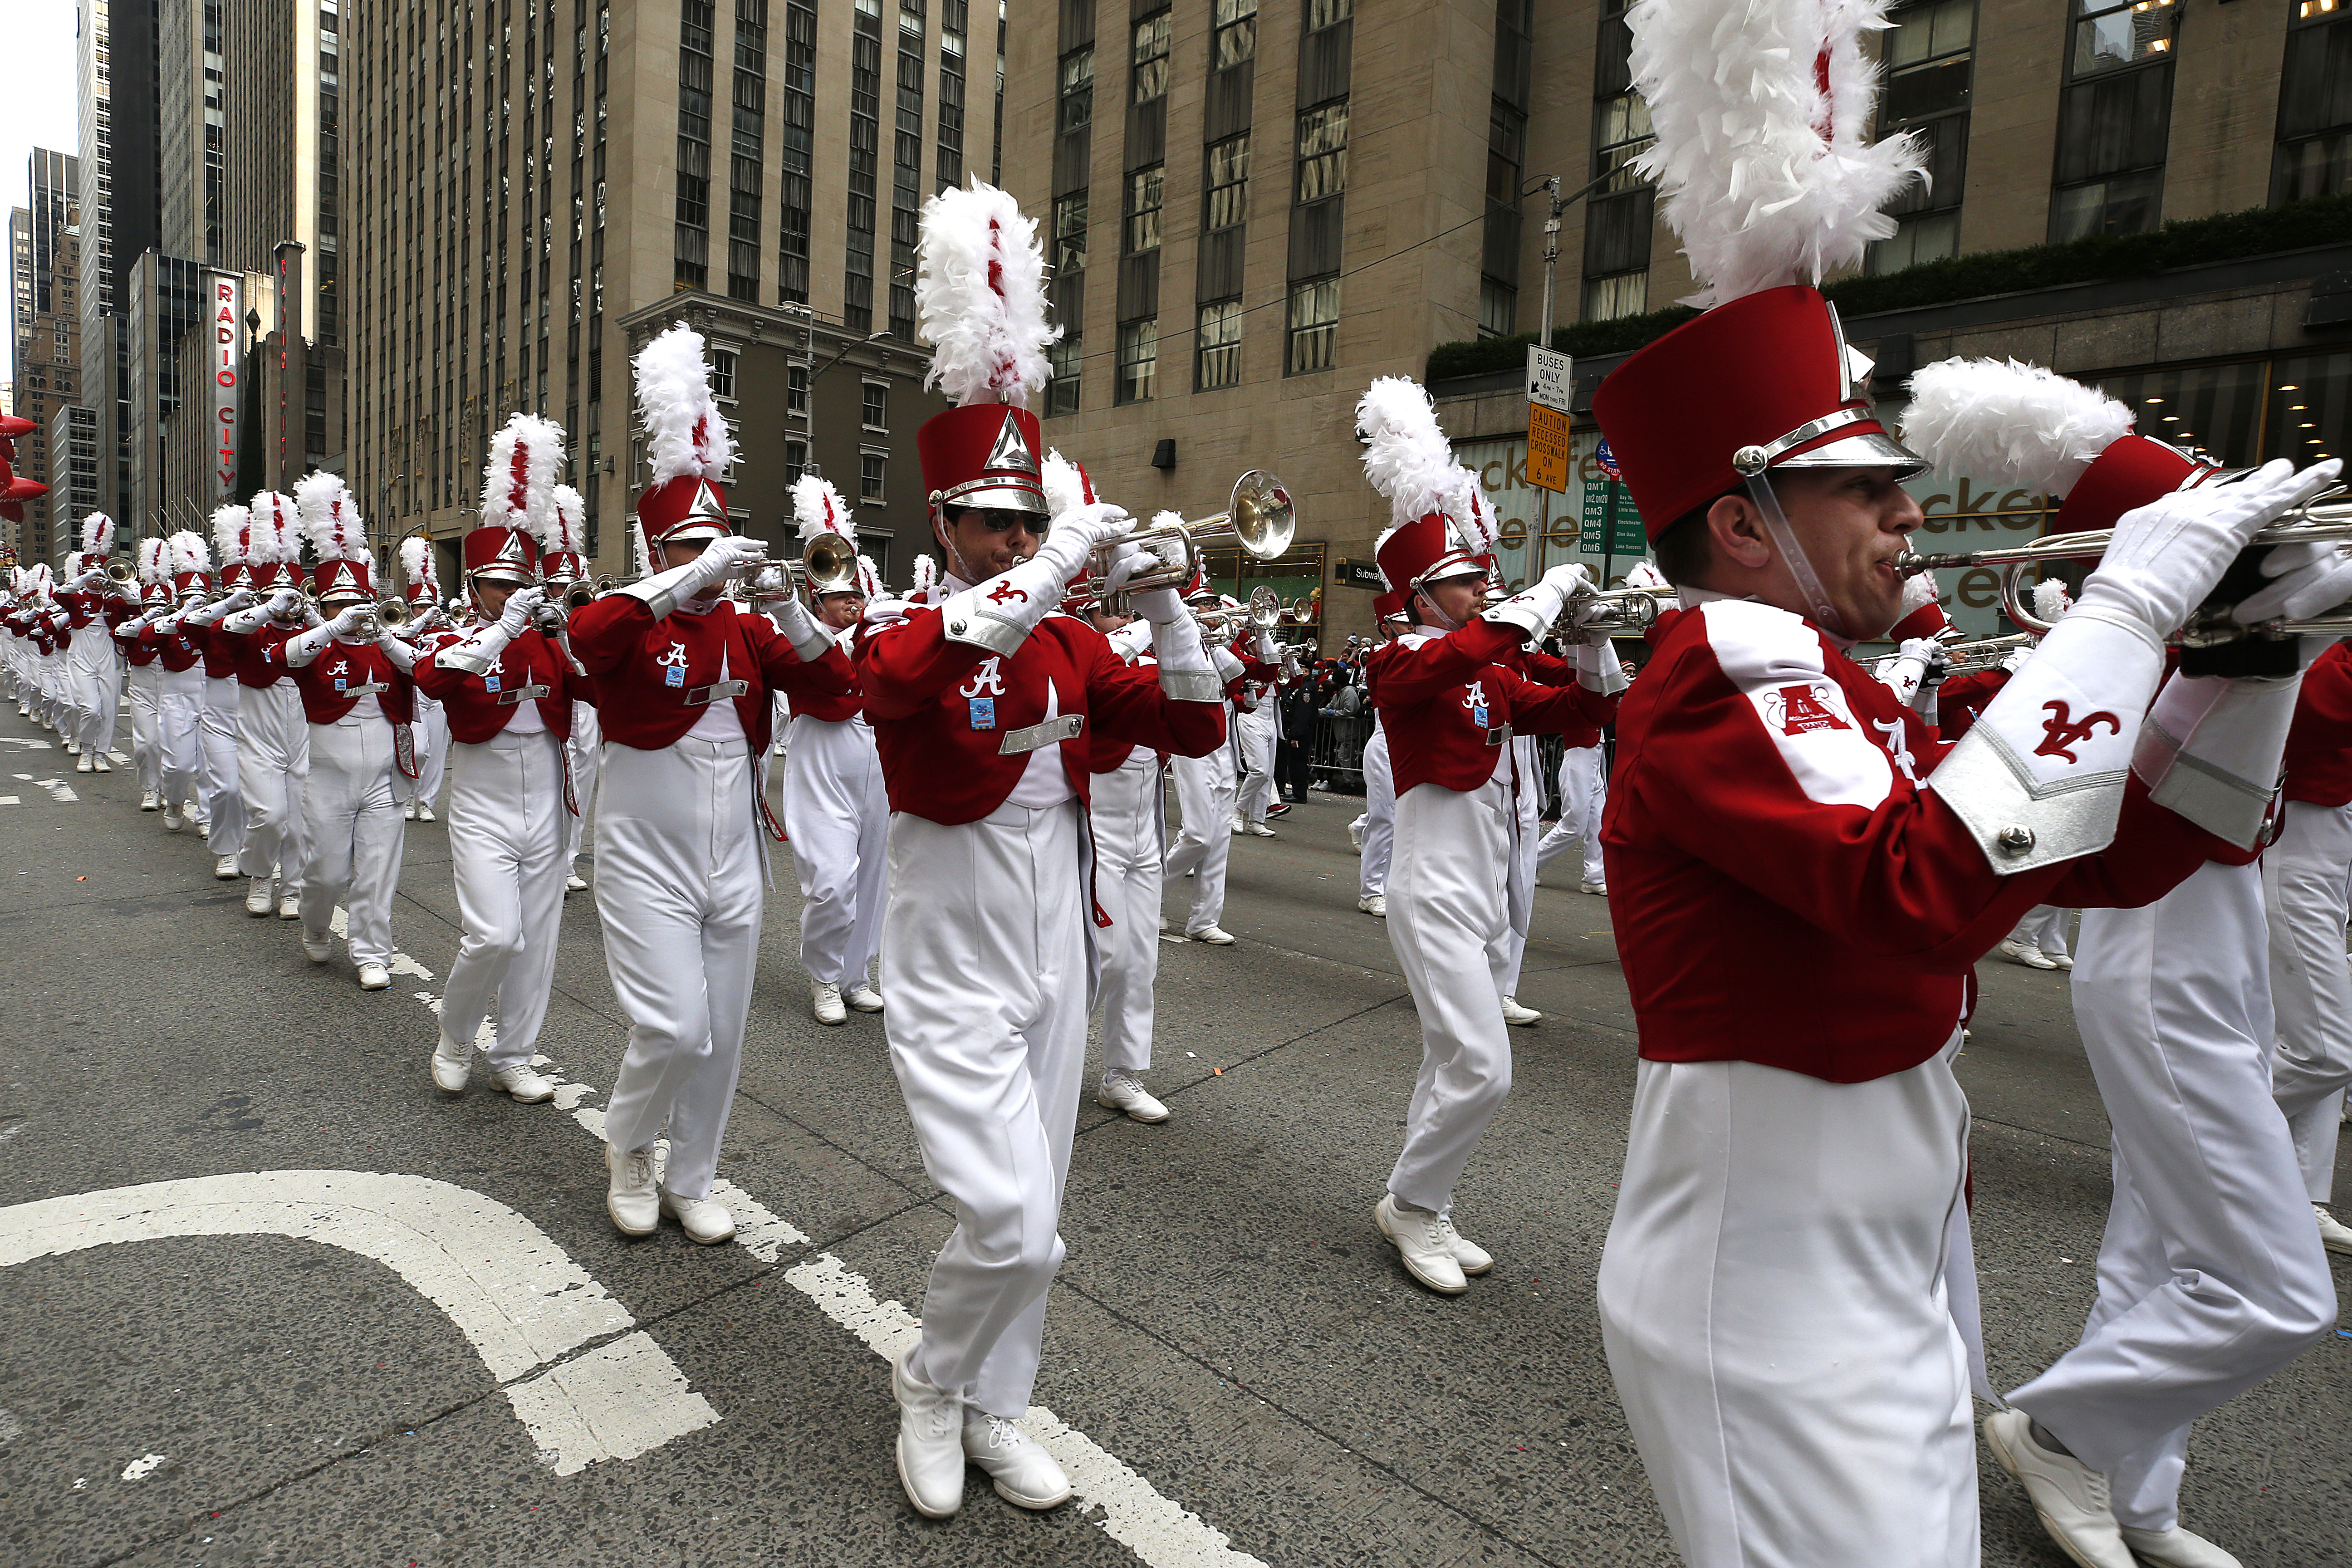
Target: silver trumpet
[1259, 517]
[1623, 611]
[1262, 613]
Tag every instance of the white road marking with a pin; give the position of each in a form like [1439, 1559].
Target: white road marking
[515, 1294]
[59, 791]
[28, 743]
[10, 800]
[139, 1468]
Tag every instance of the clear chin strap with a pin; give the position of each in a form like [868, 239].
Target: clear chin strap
[1749, 463]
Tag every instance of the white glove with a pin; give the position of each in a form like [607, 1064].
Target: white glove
[1079, 534]
[771, 580]
[1535, 608]
[283, 601]
[722, 559]
[2166, 556]
[2306, 580]
[346, 624]
[237, 599]
[808, 636]
[2016, 660]
[1126, 560]
[522, 607]
[402, 656]
[1000, 615]
[1927, 650]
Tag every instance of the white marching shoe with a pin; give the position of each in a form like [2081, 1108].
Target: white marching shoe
[82, 765]
[2175, 1548]
[1374, 904]
[260, 898]
[148, 801]
[1025, 1475]
[1600, 888]
[424, 814]
[930, 1441]
[289, 907]
[2072, 1500]
[1356, 835]
[98, 764]
[703, 1220]
[374, 977]
[1124, 1092]
[2019, 953]
[1215, 936]
[631, 1197]
[824, 1001]
[574, 883]
[524, 1083]
[318, 950]
[172, 820]
[73, 748]
[452, 1064]
[408, 812]
[1425, 1242]
[1519, 1017]
[2333, 1231]
[862, 999]
[225, 868]
[1261, 830]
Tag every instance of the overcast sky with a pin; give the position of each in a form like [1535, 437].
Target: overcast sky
[37, 107]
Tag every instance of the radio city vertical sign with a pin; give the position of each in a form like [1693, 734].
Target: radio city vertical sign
[226, 307]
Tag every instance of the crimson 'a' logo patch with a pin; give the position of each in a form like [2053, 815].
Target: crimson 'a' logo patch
[2061, 734]
[1798, 710]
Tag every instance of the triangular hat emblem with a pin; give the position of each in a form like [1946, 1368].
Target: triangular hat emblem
[1012, 450]
[705, 507]
[511, 548]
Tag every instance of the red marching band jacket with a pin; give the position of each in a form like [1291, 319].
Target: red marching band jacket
[942, 710]
[2318, 761]
[1961, 697]
[1109, 754]
[1583, 731]
[1449, 704]
[647, 674]
[530, 668]
[220, 652]
[248, 652]
[1786, 886]
[835, 707]
[179, 649]
[332, 684]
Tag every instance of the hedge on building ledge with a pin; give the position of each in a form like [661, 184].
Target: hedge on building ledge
[2190, 242]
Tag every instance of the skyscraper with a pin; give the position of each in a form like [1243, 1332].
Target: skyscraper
[45, 331]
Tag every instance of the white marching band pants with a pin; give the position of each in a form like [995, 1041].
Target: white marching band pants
[2211, 1274]
[180, 742]
[679, 890]
[2303, 891]
[2043, 926]
[147, 725]
[1450, 924]
[508, 825]
[1127, 815]
[351, 819]
[587, 749]
[838, 815]
[1253, 747]
[1519, 905]
[94, 677]
[1788, 1304]
[431, 737]
[1378, 824]
[224, 806]
[273, 758]
[1583, 792]
[985, 961]
[1204, 839]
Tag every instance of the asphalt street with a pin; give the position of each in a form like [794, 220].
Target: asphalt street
[347, 1319]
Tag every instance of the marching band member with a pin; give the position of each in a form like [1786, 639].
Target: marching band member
[1583, 779]
[273, 730]
[1592, 667]
[509, 693]
[361, 755]
[1257, 735]
[180, 692]
[93, 664]
[1785, 1294]
[420, 589]
[146, 678]
[49, 624]
[836, 813]
[682, 682]
[2304, 896]
[1374, 829]
[2211, 1274]
[223, 803]
[566, 561]
[982, 706]
[1450, 708]
[1205, 825]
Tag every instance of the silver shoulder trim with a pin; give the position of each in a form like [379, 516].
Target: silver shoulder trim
[2019, 825]
[968, 617]
[1192, 685]
[659, 600]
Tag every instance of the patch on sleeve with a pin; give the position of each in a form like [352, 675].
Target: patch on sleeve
[1775, 660]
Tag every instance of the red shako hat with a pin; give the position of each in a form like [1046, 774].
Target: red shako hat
[233, 541]
[1387, 607]
[1922, 615]
[191, 564]
[277, 543]
[979, 301]
[345, 571]
[420, 582]
[526, 454]
[687, 441]
[563, 556]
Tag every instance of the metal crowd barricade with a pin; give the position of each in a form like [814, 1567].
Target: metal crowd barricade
[1339, 742]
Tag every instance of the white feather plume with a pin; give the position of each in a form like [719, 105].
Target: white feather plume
[330, 521]
[567, 521]
[2010, 424]
[1406, 455]
[416, 564]
[2051, 600]
[980, 297]
[152, 560]
[524, 500]
[97, 535]
[818, 508]
[869, 577]
[926, 576]
[1768, 178]
[1065, 483]
[232, 537]
[1642, 574]
[189, 554]
[1919, 592]
[275, 535]
[684, 431]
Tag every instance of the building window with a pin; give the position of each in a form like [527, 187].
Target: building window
[1617, 217]
[1078, 103]
[1070, 234]
[1063, 360]
[2115, 117]
[1220, 346]
[1626, 294]
[796, 388]
[722, 374]
[795, 462]
[871, 467]
[1139, 360]
[1227, 182]
[1498, 287]
[2314, 120]
[875, 413]
[1499, 308]
[1322, 153]
[1322, 14]
[1234, 39]
[1314, 326]
[1152, 58]
[1143, 196]
[1930, 63]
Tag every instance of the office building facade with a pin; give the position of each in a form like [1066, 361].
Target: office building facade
[45, 333]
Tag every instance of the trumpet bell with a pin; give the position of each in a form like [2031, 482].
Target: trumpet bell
[1264, 517]
[829, 564]
[120, 571]
[393, 614]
